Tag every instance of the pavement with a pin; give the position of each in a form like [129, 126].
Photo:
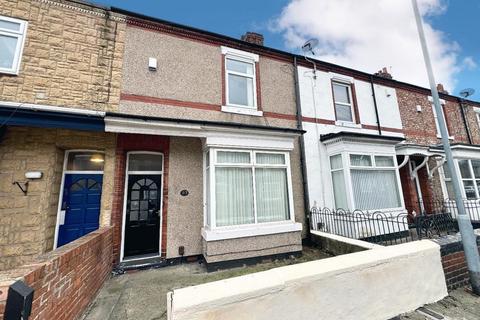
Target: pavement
[143, 294]
[459, 305]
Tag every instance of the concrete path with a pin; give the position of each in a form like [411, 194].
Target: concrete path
[142, 295]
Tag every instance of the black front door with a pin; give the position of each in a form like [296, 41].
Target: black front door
[143, 212]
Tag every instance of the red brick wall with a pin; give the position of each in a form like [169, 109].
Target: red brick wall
[419, 127]
[125, 144]
[65, 280]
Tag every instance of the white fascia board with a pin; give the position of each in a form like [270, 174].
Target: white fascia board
[216, 136]
[341, 78]
[42, 107]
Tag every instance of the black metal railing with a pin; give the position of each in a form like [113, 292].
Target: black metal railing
[382, 227]
[472, 208]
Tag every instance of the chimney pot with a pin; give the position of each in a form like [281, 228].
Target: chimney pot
[253, 37]
[384, 73]
[441, 89]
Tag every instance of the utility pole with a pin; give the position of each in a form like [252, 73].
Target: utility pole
[469, 239]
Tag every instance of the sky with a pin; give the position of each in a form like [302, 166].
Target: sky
[365, 35]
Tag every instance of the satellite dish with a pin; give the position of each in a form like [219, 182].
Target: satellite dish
[309, 46]
[465, 93]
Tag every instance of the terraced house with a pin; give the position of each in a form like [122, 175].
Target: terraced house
[60, 71]
[186, 147]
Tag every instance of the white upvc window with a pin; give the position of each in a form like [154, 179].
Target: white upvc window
[12, 39]
[470, 176]
[365, 182]
[247, 187]
[240, 82]
[477, 115]
[343, 102]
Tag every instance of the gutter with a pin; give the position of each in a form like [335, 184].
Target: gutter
[306, 200]
[375, 106]
[465, 123]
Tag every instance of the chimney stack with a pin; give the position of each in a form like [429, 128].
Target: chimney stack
[441, 89]
[384, 73]
[253, 37]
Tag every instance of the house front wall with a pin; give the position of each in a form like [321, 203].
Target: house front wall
[28, 221]
[72, 55]
[318, 115]
[189, 84]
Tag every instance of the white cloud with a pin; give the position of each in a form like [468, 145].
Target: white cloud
[371, 34]
[469, 63]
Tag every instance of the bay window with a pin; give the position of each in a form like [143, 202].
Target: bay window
[372, 179]
[245, 187]
[469, 176]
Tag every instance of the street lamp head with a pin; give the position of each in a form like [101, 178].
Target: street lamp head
[465, 93]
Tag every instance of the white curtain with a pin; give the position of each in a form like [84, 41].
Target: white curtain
[272, 194]
[234, 196]
[375, 189]
[339, 190]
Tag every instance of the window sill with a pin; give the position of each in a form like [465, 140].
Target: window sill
[9, 72]
[348, 124]
[250, 231]
[244, 111]
[449, 138]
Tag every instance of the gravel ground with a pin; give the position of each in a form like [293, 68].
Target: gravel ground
[459, 305]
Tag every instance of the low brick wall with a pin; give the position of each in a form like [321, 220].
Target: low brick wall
[453, 260]
[65, 280]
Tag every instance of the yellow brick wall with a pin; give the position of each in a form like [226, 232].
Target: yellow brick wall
[72, 56]
[27, 223]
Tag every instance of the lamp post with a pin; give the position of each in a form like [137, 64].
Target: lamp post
[469, 239]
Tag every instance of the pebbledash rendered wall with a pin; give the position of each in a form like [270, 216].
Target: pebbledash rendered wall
[72, 58]
[188, 84]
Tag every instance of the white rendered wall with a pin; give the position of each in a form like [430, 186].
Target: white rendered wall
[375, 284]
[316, 100]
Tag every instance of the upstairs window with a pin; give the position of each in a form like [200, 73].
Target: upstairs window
[12, 38]
[342, 98]
[437, 120]
[240, 82]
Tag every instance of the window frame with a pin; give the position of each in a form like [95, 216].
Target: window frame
[348, 85]
[210, 166]
[348, 167]
[245, 57]
[473, 178]
[21, 36]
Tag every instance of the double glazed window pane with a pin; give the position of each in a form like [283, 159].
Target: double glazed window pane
[8, 47]
[360, 160]
[85, 161]
[341, 93]
[240, 90]
[375, 189]
[336, 162]
[239, 66]
[145, 162]
[270, 158]
[272, 194]
[344, 112]
[384, 161]
[234, 196]
[339, 190]
[464, 169]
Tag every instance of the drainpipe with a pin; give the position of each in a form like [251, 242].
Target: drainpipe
[465, 123]
[375, 105]
[306, 201]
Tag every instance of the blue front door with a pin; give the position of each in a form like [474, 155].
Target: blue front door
[80, 206]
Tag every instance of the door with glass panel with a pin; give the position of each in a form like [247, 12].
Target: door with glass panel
[143, 209]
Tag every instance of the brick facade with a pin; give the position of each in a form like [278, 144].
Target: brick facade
[27, 222]
[125, 144]
[453, 261]
[72, 55]
[64, 281]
